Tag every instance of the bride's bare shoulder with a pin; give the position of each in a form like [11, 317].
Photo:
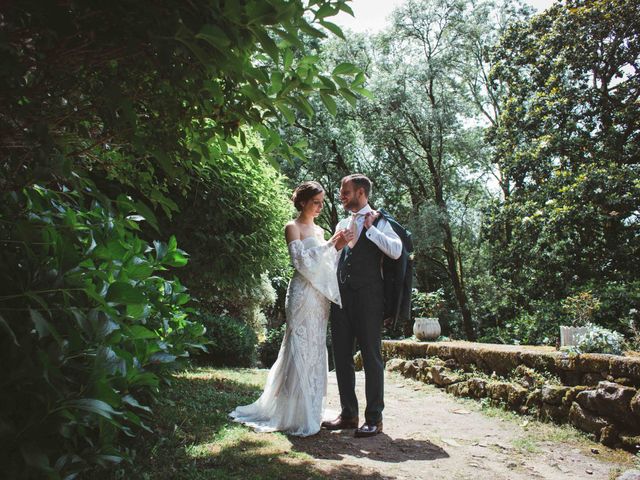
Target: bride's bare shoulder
[291, 231]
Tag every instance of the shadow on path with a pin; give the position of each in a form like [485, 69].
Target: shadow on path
[337, 445]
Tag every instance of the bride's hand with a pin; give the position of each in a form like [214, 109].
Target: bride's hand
[341, 238]
[336, 236]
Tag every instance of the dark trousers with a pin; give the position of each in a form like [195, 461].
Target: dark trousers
[360, 318]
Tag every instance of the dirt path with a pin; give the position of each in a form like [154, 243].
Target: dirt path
[429, 434]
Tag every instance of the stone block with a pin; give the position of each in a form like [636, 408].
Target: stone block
[592, 363]
[410, 369]
[498, 391]
[570, 377]
[541, 362]
[525, 376]
[553, 394]
[572, 393]
[395, 365]
[627, 382]
[586, 421]
[587, 400]
[477, 387]
[443, 376]
[609, 436]
[628, 367]
[614, 400]
[555, 413]
[460, 389]
[534, 399]
[630, 442]
[591, 378]
[424, 375]
[501, 362]
[634, 405]
[439, 350]
[510, 394]
[452, 363]
[468, 358]
[565, 362]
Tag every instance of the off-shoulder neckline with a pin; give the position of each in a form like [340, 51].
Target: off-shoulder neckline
[306, 238]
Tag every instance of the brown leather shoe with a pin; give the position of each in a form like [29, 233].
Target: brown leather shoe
[341, 423]
[368, 429]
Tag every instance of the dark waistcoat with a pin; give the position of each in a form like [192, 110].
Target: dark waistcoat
[359, 267]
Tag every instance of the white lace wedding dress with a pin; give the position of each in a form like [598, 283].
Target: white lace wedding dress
[293, 398]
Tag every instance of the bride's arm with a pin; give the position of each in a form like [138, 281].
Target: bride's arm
[317, 264]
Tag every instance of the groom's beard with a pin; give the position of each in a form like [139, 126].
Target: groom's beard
[352, 206]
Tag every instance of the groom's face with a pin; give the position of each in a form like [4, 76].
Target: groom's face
[352, 198]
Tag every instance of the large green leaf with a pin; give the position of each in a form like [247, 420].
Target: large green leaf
[364, 92]
[43, 326]
[329, 102]
[333, 28]
[176, 258]
[130, 400]
[7, 328]
[139, 332]
[215, 36]
[345, 68]
[286, 112]
[93, 405]
[138, 268]
[125, 293]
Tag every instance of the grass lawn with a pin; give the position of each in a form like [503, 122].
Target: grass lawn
[194, 438]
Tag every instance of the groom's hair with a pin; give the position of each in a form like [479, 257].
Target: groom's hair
[360, 181]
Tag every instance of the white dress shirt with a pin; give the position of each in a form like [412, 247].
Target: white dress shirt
[382, 234]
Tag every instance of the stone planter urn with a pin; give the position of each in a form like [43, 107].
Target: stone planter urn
[425, 328]
[570, 335]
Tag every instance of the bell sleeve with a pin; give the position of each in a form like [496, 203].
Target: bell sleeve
[318, 266]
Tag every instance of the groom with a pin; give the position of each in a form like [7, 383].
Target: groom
[361, 315]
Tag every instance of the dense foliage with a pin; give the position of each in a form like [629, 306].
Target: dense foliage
[90, 324]
[270, 347]
[568, 142]
[231, 342]
[123, 123]
[508, 143]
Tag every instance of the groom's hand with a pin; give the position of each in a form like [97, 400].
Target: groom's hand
[369, 218]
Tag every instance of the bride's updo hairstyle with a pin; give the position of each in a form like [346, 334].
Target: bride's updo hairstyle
[305, 192]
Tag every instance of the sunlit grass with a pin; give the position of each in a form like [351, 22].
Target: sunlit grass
[195, 439]
[526, 444]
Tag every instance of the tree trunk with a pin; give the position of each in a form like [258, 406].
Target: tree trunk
[455, 275]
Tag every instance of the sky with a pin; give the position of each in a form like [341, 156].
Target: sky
[371, 15]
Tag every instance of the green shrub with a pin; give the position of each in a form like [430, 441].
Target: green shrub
[539, 326]
[230, 342]
[581, 308]
[599, 340]
[268, 350]
[152, 109]
[429, 304]
[90, 326]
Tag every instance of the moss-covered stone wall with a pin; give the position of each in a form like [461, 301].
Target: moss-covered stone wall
[596, 393]
[586, 369]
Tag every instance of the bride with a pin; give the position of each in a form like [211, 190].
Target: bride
[293, 398]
